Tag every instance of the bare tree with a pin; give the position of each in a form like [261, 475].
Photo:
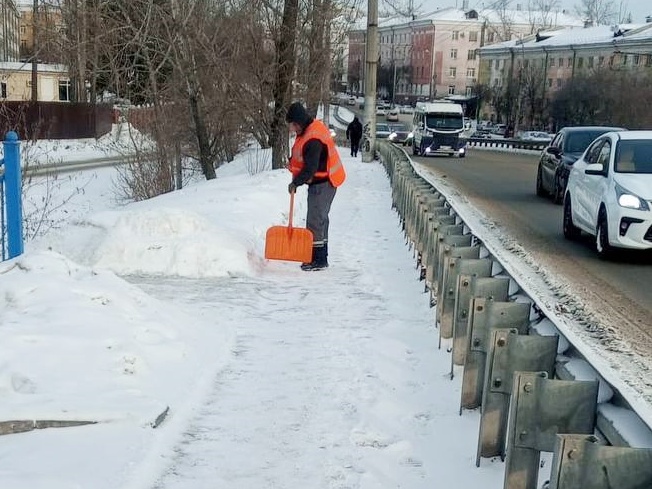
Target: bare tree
[282, 90]
[597, 12]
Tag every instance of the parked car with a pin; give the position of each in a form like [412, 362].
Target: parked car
[400, 133]
[609, 192]
[535, 136]
[406, 109]
[380, 112]
[392, 115]
[382, 130]
[557, 159]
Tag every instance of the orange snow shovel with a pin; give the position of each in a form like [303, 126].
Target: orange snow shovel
[287, 242]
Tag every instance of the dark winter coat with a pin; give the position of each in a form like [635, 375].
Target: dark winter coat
[354, 130]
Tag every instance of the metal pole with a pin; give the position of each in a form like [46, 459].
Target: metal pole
[371, 60]
[13, 195]
[34, 52]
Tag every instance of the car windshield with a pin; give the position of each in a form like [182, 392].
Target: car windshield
[382, 128]
[578, 141]
[445, 121]
[398, 127]
[634, 156]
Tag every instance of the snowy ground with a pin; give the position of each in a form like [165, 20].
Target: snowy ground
[273, 377]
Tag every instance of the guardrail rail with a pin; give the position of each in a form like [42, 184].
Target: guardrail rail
[534, 390]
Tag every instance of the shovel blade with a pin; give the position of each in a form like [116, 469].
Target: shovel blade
[289, 244]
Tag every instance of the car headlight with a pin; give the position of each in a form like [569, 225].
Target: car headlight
[629, 200]
[410, 135]
[392, 136]
[333, 134]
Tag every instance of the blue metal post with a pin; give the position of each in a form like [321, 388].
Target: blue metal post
[13, 194]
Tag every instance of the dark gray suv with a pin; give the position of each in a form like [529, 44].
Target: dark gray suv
[564, 150]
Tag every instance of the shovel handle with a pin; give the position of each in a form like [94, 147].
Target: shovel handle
[291, 209]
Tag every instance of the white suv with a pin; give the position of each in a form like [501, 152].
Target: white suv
[609, 192]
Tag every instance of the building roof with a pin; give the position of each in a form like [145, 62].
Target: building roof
[578, 36]
[496, 16]
[492, 16]
[40, 67]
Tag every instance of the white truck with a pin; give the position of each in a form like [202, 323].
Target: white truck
[438, 127]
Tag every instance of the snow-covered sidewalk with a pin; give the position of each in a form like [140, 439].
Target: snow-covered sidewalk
[275, 378]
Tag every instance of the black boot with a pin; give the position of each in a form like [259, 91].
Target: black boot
[319, 260]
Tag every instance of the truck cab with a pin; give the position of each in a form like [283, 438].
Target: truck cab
[438, 129]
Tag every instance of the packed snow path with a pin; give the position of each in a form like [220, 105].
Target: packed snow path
[335, 379]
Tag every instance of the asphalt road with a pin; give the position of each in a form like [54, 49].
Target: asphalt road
[502, 186]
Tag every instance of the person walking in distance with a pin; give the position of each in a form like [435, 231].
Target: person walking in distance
[314, 162]
[354, 134]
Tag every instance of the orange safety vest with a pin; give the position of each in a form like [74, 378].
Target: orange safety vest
[334, 168]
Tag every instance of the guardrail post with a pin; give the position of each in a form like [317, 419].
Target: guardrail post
[487, 314]
[582, 461]
[456, 260]
[509, 352]
[13, 195]
[541, 409]
[469, 286]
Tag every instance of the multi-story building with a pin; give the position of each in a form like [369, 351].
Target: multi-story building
[436, 55]
[47, 28]
[9, 28]
[541, 64]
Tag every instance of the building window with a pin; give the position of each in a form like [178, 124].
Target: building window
[570, 62]
[590, 62]
[470, 72]
[471, 54]
[491, 63]
[648, 60]
[549, 82]
[64, 90]
[451, 89]
[559, 82]
[624, 58]
[636, 60]
[473, 36]
[561, 62]
[551, 62]
[490, 37]
[600, 60]
[456, 35]
[452, 72]
[3, 90]
[580, 62]
[453, 53]
[469, 91]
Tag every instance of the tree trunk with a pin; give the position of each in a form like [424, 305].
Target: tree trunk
[315, 73]
[203, 139]
[283, 82]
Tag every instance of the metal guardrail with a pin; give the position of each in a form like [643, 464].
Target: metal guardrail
[519, 369]
[507, 143]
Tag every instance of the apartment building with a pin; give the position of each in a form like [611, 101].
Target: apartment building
[9, 29]
[436, 55]
[40, 31]
[547, 60]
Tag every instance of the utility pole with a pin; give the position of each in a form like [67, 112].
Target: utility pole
[34, 52]
[371, 60]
